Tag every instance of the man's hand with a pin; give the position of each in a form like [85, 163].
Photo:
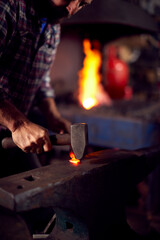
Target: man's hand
[28, 136]
[60, 125]
[31, 137]
[54, 119]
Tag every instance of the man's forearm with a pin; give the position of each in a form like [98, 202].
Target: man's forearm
[48, 107]
[10, 116]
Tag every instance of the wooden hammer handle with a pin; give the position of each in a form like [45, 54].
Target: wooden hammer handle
[7, 143]
[56, 139]
[61, 139]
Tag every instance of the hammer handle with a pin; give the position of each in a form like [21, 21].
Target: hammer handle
[56, 139]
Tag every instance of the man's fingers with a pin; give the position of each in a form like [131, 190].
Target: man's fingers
[27, 149]
[39, 150]
[31, 148]
[36, 143]
[34, 148]
[47, 146]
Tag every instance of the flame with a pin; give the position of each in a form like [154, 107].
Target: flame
[73, 159]
[91, 92]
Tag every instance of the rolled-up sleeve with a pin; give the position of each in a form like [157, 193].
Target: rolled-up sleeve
[46, 90]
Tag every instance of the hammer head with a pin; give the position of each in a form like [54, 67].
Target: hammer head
[79, 139]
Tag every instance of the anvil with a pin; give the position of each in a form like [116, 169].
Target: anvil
[89, 197]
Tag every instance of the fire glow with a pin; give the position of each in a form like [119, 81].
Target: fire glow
[73, 160]
[91, 92]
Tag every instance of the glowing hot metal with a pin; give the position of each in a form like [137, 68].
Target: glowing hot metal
[73, 160]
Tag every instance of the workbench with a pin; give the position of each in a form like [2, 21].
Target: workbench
[124, 125]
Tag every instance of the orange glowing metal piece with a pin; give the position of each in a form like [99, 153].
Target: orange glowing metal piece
[73, 159]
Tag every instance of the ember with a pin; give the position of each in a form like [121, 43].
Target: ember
[73, 160]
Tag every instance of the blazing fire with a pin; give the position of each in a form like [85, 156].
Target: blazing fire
[73, 159]
[91, 92]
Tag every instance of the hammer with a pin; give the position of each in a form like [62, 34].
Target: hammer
[78, 139]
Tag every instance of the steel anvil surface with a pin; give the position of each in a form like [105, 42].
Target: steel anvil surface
[95, 191]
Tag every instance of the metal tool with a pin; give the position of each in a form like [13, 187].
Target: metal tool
[78, 139]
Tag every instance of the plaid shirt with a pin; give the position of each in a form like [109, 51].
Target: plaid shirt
[26, 54]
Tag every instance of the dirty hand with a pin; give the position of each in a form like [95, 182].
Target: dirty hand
[31, 137]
